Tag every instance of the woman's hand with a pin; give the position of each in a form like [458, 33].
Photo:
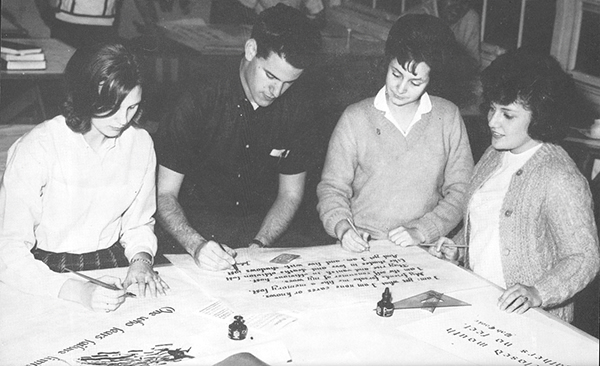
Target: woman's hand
[519, 298]
[445, 248]
[406, 237]
[141, 272]
[350, 239]
[99, 298]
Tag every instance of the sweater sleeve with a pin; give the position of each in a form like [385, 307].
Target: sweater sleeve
[335, 188]
[459, 166]
[570, 219]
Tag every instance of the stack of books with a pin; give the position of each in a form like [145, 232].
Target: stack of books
[19, 56]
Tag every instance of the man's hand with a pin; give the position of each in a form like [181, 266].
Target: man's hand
[257, 244]
[213, 256]
[207, 254]
[406, 237]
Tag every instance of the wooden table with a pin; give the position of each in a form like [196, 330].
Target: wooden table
[316, 310]
[193, 46]
[57, 55]
[230, 39]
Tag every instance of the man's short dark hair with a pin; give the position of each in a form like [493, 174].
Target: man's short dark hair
[288, 33]
[539, 84]
[98, 78]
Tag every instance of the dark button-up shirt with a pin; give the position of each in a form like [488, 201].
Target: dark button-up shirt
[231, 154]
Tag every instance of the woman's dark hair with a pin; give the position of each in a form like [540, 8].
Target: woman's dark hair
[98, 78]
[416, 38]
[539, 84]
[287, 32]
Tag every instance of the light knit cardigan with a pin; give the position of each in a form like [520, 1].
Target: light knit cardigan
[548, 236]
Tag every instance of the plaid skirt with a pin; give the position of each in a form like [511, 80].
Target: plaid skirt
[111, 257]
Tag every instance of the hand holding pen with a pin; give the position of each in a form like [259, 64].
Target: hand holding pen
[105, 294]
[214, 256]
[351, 238]
[110, 286]
[445, 248]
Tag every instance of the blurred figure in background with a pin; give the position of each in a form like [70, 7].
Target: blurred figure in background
[245, 11]
[464, 21]
[80, 23]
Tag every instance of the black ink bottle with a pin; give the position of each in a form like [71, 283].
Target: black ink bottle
[385, 307]
[237, 329]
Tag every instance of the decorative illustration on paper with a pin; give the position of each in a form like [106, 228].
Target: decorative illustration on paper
[158, 355]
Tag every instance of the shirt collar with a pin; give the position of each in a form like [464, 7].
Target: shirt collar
[241, 93]
[380, 103]
[107, 145]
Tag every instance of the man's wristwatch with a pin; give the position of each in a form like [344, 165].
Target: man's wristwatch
[258, 242]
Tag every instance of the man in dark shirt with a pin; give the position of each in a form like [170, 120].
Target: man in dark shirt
[234, 152]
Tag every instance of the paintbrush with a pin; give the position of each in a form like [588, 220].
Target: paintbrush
[100, 283]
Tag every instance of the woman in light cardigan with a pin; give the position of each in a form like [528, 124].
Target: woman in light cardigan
[529, 223]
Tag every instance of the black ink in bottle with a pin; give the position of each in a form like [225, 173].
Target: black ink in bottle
[385, 307]
[237, 329]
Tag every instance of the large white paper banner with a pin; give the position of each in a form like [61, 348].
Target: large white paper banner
[143, 331]
[324, 277]
[488, 336]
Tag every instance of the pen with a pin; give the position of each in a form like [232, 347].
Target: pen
[234, 265]
[356, 231]
[448, 245]
[100, 283]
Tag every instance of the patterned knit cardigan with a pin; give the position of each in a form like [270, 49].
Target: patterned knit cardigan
[548, 236]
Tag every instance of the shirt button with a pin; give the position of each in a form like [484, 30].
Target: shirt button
[520, 171]
[506, 252]
[247, 146]
[508, 213]
[237, 203]
[239, 175]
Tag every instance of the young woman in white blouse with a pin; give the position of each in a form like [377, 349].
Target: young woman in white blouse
[529, 223]
[79, 189]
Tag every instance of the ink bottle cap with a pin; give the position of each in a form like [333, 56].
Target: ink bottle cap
[237, 329]
[385, 307]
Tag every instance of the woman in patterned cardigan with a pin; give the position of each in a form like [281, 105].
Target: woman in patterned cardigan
[529, 221]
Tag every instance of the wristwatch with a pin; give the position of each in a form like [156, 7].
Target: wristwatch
[258, 242]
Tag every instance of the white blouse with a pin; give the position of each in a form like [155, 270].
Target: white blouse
[61, 195]
[484, 217]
